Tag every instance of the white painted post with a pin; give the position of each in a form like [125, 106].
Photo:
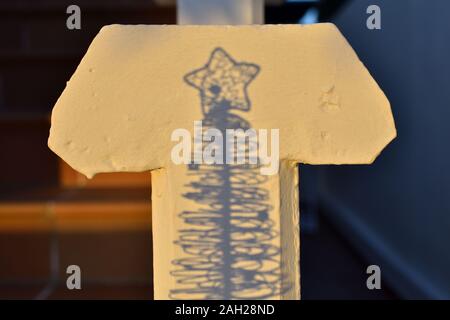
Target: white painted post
[221, 231]
[281, 268]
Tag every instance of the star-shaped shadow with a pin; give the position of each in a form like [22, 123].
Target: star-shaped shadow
[223, 82]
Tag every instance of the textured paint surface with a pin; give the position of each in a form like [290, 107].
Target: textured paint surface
[128, 94]
[280, 271]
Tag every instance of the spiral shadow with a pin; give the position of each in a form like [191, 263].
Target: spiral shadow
[228, 240]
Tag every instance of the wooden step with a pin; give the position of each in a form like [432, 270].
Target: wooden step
[46, 6]
[72, 210]
[39, 53]
[107, 232]
[89, 292]
[26, 27]
[69, 178]
[23, 138]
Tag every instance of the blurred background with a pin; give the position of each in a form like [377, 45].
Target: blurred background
[394, 214]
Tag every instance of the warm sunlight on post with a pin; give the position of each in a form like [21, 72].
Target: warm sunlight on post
[221, 231]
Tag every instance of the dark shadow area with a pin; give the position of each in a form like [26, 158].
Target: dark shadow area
[228, 243]
[332, 269]
[395, 212]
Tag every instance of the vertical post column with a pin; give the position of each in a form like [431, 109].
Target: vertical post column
[189, 263]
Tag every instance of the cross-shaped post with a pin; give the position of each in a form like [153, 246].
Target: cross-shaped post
[221, 230]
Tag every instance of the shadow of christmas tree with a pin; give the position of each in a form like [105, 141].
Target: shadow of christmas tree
[228, 241]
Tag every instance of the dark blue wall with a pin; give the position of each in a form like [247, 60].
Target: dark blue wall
[397, 211]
